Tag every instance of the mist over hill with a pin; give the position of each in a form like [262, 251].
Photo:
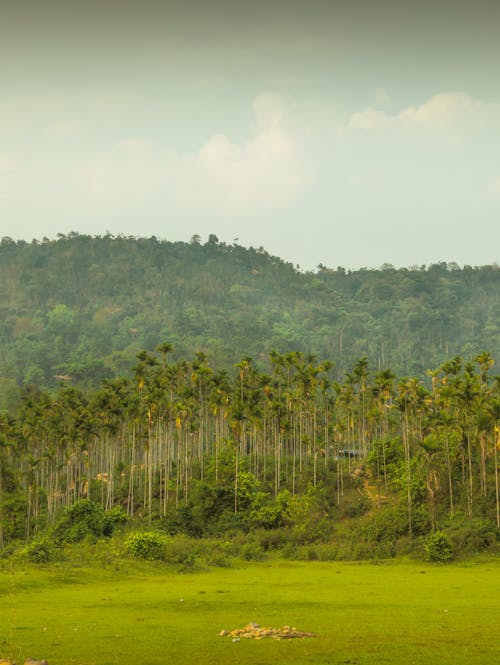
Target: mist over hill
[79, 308]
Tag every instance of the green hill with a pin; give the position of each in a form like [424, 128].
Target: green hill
[79, 308]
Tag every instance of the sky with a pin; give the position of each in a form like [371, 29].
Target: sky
[337, 133]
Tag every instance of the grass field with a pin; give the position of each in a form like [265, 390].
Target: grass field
[362, 613]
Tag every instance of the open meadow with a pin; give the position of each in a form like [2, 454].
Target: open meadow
[361, 613]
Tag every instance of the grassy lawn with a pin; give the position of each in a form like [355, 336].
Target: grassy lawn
[395, 612]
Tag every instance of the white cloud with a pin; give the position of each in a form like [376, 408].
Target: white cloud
[367, 120]
[373, 173]
[444, 111]
[266, 172]
[58, 163]
[442, 107]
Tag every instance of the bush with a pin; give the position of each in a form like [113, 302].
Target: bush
[438, 547]
[13, 510]
[274, 539]
[306, 517]
[86, 519]
[38, 551]
[182, 552]
[146, 545]
[112, 518]
[218, 560]
[251, 551]
[353, 505]
[471, 535]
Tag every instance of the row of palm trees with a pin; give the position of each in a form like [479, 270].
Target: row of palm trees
[143, 441]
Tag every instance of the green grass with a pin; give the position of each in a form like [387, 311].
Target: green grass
[395, 612]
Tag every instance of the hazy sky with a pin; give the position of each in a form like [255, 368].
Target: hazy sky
[351, 133]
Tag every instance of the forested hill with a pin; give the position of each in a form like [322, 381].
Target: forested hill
[79, 308]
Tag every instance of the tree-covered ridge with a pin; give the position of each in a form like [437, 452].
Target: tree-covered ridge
[79, 308]
[205, 451]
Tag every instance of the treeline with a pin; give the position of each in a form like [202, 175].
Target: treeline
[204, 450]
[78, 309]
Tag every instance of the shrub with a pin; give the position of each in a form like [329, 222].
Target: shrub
[273, 539]
[471, 535]
[112, 518]
[306, 516]
[251, 551]
[13, 510]
[182, 551]
[438, 547]
[146, 545]
[218, 560]
[38, 551]
[86, 519]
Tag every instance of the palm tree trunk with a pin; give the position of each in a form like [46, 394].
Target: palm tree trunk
[497, 490]
[406, 442]
[470, 481]
[450, 482]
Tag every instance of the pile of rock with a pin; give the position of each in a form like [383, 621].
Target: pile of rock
[253, 631]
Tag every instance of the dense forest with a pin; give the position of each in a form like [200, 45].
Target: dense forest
[206, 452]
[78, 309]
[296, 408]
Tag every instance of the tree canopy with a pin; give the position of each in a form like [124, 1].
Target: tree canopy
[78, 309]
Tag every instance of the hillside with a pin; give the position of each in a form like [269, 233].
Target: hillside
[79, 308]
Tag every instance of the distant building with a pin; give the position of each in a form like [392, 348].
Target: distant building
[350, 452]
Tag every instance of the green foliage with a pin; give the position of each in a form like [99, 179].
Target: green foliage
[291, 519]
[184, 553]
[354, 504]
[40, 550]
[183, 520]
[438, 547]
[248, 488]
[194, 450]
[85, 306]
[13, 512]
[471, 535]
[385, 458]
[87, 519]
[113, 518]
[385, 525]
[306, 516]
[146, 545]
[268, 514]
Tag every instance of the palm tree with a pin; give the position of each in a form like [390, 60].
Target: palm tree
[466, 393]
[360, 374]
[412, 400]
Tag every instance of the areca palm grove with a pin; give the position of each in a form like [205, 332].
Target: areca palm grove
[175, 440]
